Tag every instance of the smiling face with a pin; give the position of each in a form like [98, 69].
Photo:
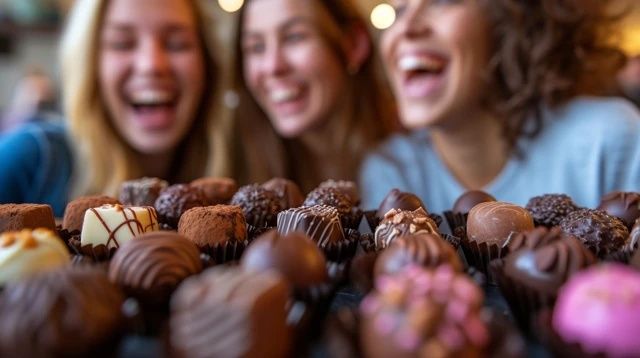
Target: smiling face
[151, 71]
[436, 54]
[289, 68]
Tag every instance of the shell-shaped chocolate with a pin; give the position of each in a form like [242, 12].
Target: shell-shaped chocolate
[320, 222]
[492, 222]
[602, 233]
[549, 209]
[397, 223]
[259, 205]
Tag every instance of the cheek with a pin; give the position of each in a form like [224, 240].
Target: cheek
[190, 70]
[111, 72]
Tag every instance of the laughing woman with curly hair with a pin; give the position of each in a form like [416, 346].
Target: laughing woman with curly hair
[504, 96]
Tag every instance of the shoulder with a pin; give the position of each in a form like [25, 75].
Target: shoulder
[30, 143]
[602, 115]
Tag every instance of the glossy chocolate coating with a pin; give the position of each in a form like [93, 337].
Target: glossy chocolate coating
[623, 205]
[320, 222]
[399, 200]
[397, 223]
[493, 222]
[469, 199]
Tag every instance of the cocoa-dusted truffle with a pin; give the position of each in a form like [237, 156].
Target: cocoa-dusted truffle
[469, 199]
[14, 217]
[320, 222]
[549, 209]
[213, 225]
[426, 250]
[346, 187]
[287, 191]
[153, 265]
[75, 210]
[175, 200]
[70, 312]
[259, 205]
[399, 200]
[602, 233]
[423, 313]
[294, 255]
[398, 223]
[492, 222]
[229, 312]
[216, 190]
[623, 205]
[141, 192]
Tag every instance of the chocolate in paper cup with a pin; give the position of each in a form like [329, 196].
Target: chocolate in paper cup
[372, 219]
[98, 253]
[456, 220]
[480, 255]
[225, 252]
[452, 240]
[344, 249]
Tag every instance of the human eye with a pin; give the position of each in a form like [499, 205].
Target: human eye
[253, 46]
[118, 42]
[179, 42]
[295, 35]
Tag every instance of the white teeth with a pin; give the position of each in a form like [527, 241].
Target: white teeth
[419, 63]
[151, 97]
[284, 94]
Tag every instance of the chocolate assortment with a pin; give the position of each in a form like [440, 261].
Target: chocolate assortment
[210, 269]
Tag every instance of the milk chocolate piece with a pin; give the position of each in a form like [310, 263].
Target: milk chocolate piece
[399, 200]
[74, 212]
[15, 217]
[141, 192]
[216, 190]
[493, 222]
[113, 225]
[27, 252]
[320, 222]
[397, 223]
[623, 205]
[469, 199]
[287, 191]
[549, 209]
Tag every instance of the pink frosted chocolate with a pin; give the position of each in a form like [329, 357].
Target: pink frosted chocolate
[599, 309]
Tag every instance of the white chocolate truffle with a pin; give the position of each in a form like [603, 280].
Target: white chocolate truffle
[113, 225]
[27, 252]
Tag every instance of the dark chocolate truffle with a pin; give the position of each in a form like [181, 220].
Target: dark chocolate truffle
[213, 225]
[469, 199]
[175, 200]
[216, 190]
[397, 223]
[71, 312]
[294, 255]
[426, 250]
[287, 191]
[320, 222]
[623, 205]
[15, 217]
[602, 233]
[549, 209]
[141, 192]
[229, 312]
[346, 187]
[492, 222]
[424, 313]
[259, 205]
[74, 212]
[153, 265]
[330, 197]
[399, 200]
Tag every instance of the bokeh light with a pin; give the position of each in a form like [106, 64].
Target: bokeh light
[230, 5]
[383, 16]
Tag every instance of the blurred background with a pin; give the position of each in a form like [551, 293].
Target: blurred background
[29, 31]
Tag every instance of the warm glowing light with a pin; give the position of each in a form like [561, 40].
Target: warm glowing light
[383, 16]
[230, 5]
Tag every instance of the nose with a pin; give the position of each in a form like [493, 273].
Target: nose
[275, 61]
[415, 21]
[152, 58]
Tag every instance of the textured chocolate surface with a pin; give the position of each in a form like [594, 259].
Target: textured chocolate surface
[175, 200]
[423, 313]
[63, 313]
[212, 225]
[426, 250]
[532, 239]
[155, 262]
[469, 199]
[74, 212]
[330, 196]
[623, 205]
[216, 190]
[549, 209]
[15, 217]
[320, 222]
[228, 312]
[397, 223]
[399, 200]
[602, 233]
[492, 222]
[634, 237]
[259, 205]
[294, 255]
[141, 192]
[346, 187]
[287, 191]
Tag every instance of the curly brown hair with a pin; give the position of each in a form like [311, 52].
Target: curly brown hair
[547, 52]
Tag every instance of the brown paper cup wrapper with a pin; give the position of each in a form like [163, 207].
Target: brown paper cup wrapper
[225, 252]
[480, 255]
[525, 303]
[352, 220]
[255, 232]
[436, 218]
[455, 220]
[342, 250]
[98, 253]
[66, 237]
[372, 219]
[554, 343]
[453, 240]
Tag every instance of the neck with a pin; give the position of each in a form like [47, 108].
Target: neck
[473, 150]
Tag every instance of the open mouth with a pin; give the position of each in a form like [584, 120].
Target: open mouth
[422, 74]
[153, 109]
[286, 94]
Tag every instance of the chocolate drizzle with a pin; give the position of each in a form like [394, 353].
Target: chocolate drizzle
[398, 223]
[139, 228]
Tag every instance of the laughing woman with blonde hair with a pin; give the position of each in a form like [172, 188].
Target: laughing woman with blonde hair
[139, 84]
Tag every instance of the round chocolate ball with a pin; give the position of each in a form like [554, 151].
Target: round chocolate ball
[287, 191]
[398, 223]
[549, 209]
[399, 200]
[175, 200]
[346, 187]
[492, 222]
[602, 233]
[623, 205]
[469, 199]
[216, 190]
[329, 196]
[259, 205]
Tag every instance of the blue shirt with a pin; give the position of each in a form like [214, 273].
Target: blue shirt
[587, 148]
[36, 165]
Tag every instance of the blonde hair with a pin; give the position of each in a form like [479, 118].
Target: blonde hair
[367, 116]
[103, 160]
